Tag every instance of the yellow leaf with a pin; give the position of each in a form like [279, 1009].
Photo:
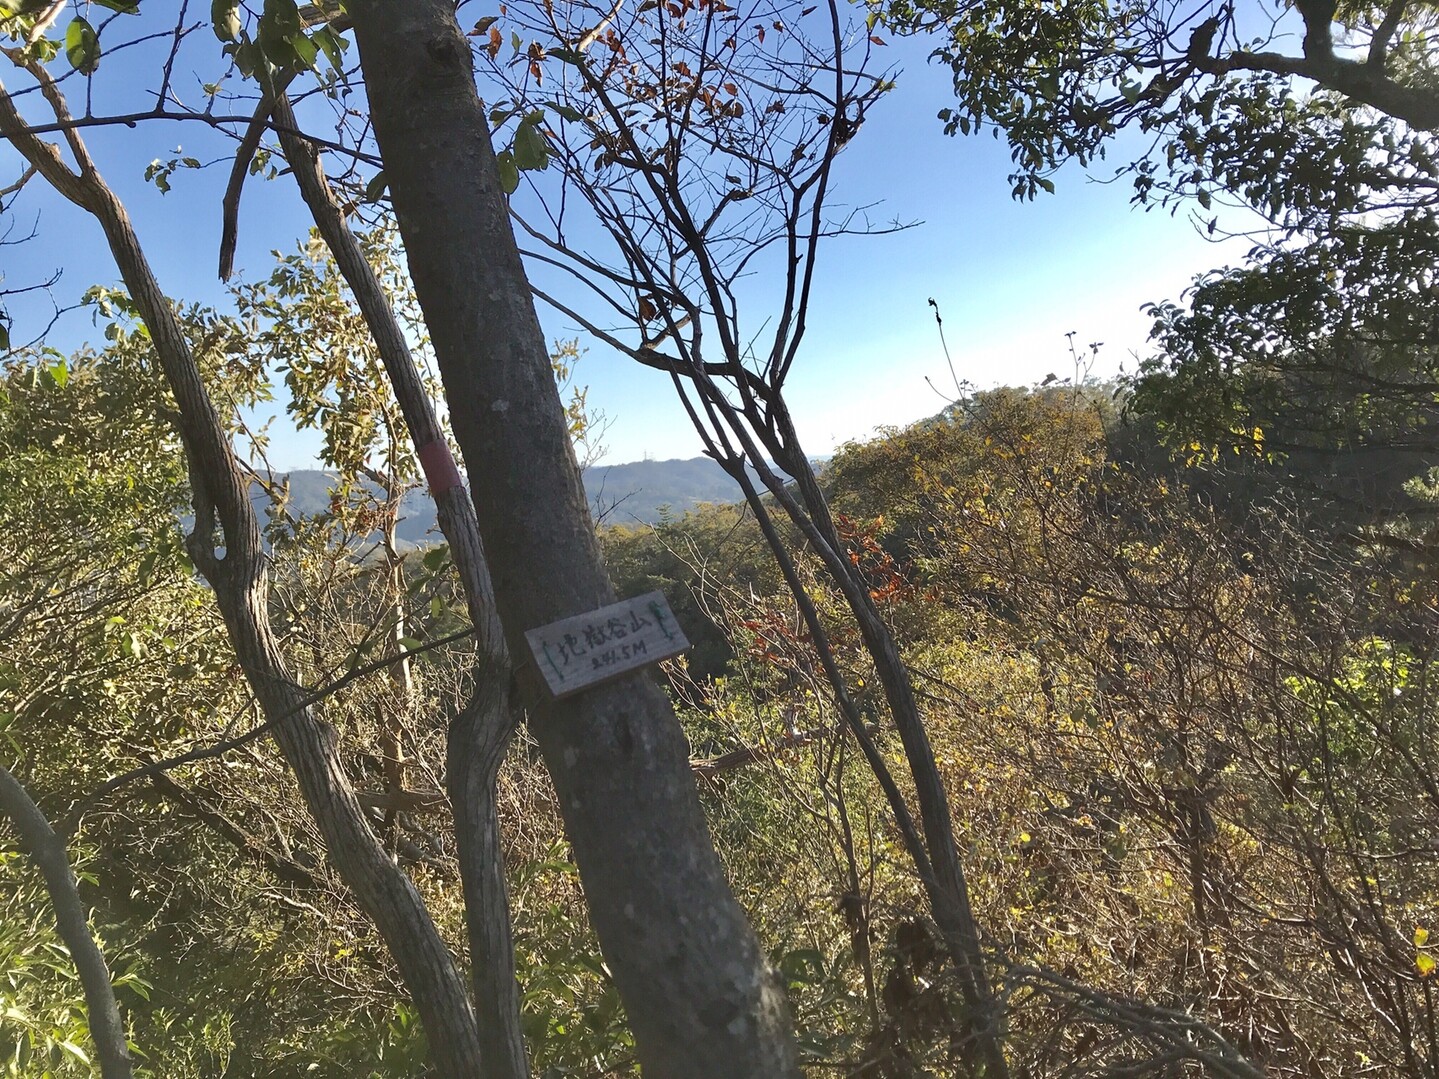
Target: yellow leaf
[1421, 937]
[1424, 963]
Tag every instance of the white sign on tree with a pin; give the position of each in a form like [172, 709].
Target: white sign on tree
[587, 649]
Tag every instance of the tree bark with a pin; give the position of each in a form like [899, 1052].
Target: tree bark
[240, 580]
[48, 853]
[480, 734]
[698, 990]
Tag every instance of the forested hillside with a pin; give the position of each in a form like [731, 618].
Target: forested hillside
[1082, 729]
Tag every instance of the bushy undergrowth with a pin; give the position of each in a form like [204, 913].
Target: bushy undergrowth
[1190, 754]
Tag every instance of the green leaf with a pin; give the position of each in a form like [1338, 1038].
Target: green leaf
[82, 46]
[1424, 963]
[376, 187]
[225, 19]
[60, 372]
[332, 45]
[571, 114]
[4, 336]
[124, 7]
[283, 16]
[248, 57]
[277, 32]
[803, 966]
[11, 8]
[530, 149]
[159, 174]
[305, 49]
[564, 56]
[509, 172]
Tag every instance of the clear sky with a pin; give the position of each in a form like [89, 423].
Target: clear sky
[1012, 279]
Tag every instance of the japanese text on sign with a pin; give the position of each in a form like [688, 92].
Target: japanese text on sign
[590, 648]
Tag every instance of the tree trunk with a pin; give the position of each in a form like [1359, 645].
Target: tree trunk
[943, 872]
[699, 993]
[48, 853]
[949, 893]
[240, 581]
[480, 734]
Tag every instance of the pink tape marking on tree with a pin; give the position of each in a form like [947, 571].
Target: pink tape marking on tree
[438, 463]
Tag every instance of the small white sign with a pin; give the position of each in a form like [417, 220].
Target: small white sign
[587, 649]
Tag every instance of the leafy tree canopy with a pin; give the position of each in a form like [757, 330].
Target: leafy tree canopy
[1213, 86]
[1319, 118]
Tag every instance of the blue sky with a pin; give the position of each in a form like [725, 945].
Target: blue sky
[1012, 279]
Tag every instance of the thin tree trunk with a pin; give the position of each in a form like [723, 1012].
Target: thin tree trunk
[240, 582]
[949, 889]
[480, 734]
[48, 853]
[699, 993]
[943, 871]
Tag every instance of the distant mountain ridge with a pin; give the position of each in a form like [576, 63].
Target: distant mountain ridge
[640, 492]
